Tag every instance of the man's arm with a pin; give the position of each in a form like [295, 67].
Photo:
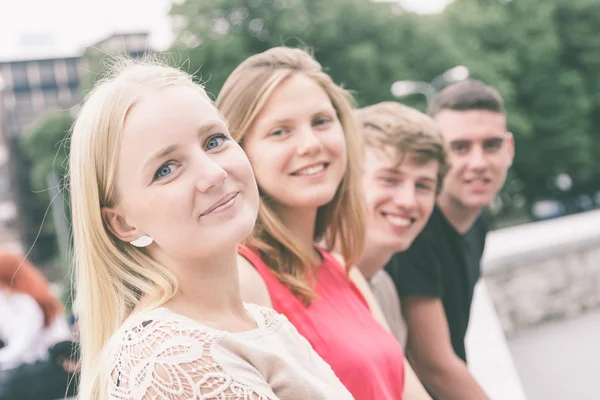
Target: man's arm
[431, 354]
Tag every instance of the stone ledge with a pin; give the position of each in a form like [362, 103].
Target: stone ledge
[563, 286]
[544, 270]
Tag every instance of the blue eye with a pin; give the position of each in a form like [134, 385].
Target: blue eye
[278, 132]
[215, 141]
[164, 170]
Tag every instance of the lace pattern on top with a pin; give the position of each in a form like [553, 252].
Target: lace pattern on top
[167, 359]
[269, 317]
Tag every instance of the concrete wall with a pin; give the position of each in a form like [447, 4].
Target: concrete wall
[544, 270]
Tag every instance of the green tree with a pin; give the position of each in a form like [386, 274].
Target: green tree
[576, 23]
[364, 45]
[517, 46]
[45, 146]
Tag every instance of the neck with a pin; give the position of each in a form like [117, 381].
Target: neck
[208, 288]
[459, 216]
[372, 260]
[301, 222]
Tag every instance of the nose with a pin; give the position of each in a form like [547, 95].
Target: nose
[308, 142]
[210, 174]
[477, 159]
[405, 196]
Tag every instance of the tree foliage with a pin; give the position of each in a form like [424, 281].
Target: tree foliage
[45, 144]
[43, 147]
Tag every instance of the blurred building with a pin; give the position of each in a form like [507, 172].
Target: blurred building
[35, 82]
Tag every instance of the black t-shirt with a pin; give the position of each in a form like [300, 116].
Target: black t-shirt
[444, 264]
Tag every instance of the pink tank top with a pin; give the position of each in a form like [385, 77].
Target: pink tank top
[339, 326]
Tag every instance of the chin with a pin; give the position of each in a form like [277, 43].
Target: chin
[242, 229]
[312, 201]
[392, 247]
[469, 200]
[478, 203]
[400, 247]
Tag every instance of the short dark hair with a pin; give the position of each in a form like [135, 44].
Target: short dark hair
[466, 95]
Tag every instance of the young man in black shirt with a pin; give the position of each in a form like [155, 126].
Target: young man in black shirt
[436, 276]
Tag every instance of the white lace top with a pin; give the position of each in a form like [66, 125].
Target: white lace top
[164, 355]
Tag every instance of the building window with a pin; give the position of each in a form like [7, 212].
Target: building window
[47, 74]
[19, 76]
[72, 72]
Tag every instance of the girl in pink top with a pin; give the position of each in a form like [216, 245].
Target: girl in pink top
[297, 128]
[341, 329]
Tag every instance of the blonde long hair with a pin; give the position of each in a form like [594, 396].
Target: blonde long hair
[110, 276]
[341, 221]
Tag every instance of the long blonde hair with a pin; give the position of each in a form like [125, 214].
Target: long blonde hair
[110, 276]
[341, 221]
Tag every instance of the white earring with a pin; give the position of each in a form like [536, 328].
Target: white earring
[142, 241]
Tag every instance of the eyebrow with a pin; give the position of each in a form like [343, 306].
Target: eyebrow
[282, 121]
[397, 172]
[388, 170]
[203, 130]
[428, 179]
[277, 121]
[487, 139]
[461, 141]
[160, 154]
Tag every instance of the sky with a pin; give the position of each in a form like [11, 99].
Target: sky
[58, 27]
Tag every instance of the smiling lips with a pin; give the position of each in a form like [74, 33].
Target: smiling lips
[478, 181]
[398, 221]
[221, 205]
[311, 169]
[479, 184]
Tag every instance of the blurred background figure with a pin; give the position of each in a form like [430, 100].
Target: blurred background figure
[31, 317]
[35, 335]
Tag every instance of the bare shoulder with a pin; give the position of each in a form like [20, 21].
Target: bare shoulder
[253, 288]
